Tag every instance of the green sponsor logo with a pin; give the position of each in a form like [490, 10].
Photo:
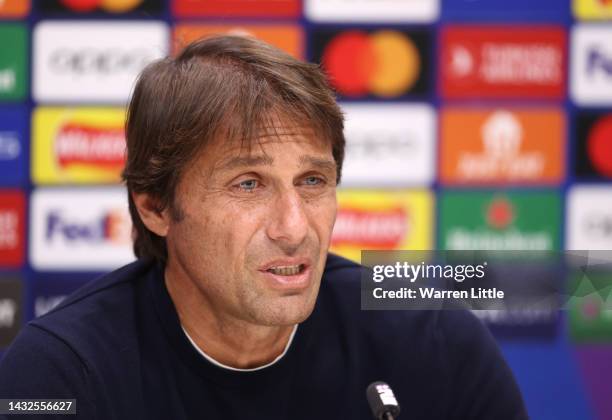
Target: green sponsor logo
[472, 220]
[590, 307]
[13, 62]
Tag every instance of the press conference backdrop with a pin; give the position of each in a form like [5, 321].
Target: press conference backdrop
[471, 124]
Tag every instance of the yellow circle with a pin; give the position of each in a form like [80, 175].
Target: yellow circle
[397, 64]
[119, 6]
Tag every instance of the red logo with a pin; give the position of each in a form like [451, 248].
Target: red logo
[599, 146]
[86, 145]
[12, 228]
[244, 8]
[370, 228]
[512, 62]
[500, 213]
[385, 63]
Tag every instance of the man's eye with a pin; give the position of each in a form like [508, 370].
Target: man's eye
[248, 185]
[313, 180]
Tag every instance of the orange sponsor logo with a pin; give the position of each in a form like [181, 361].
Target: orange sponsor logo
[289, 38]
[14, 8]
[514, 146]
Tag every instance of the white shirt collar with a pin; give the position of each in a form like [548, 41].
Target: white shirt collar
[221, 365]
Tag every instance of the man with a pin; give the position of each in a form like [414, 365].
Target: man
[234, 309]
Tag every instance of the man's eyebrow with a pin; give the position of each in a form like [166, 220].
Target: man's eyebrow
[242, 161]
[245, 161]
[322, 163]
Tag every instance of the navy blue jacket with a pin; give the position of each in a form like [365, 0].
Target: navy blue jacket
[116, 345]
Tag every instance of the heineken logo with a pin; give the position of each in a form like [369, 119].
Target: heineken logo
[500, 220]
[500, 213]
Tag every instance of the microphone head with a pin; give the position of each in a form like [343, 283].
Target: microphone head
[382, 400]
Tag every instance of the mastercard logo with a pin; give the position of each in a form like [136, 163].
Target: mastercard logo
[385, 63]
[113, 6]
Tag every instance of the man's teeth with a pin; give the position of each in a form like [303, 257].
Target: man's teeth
[288, 270]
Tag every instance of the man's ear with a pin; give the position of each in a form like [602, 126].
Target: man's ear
[156, 220]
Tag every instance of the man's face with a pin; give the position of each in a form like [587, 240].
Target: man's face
[256, 226]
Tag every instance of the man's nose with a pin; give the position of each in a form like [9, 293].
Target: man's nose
[288, 221]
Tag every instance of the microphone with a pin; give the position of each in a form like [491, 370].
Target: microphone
[382, 401]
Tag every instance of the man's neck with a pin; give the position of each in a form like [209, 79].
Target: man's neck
[229, 341]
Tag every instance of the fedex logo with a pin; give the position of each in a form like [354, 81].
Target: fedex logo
[107, 228]
[80, 229]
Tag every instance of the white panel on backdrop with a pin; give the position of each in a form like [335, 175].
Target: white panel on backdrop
[93, 61]
[589, 217]
[591, 66]
[87, 229]
[374, 11]
[389, 144]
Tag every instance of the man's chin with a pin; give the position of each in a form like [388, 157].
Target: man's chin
[287, 310]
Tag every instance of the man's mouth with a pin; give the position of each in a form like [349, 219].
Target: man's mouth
[287, 270]
[288, 274]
